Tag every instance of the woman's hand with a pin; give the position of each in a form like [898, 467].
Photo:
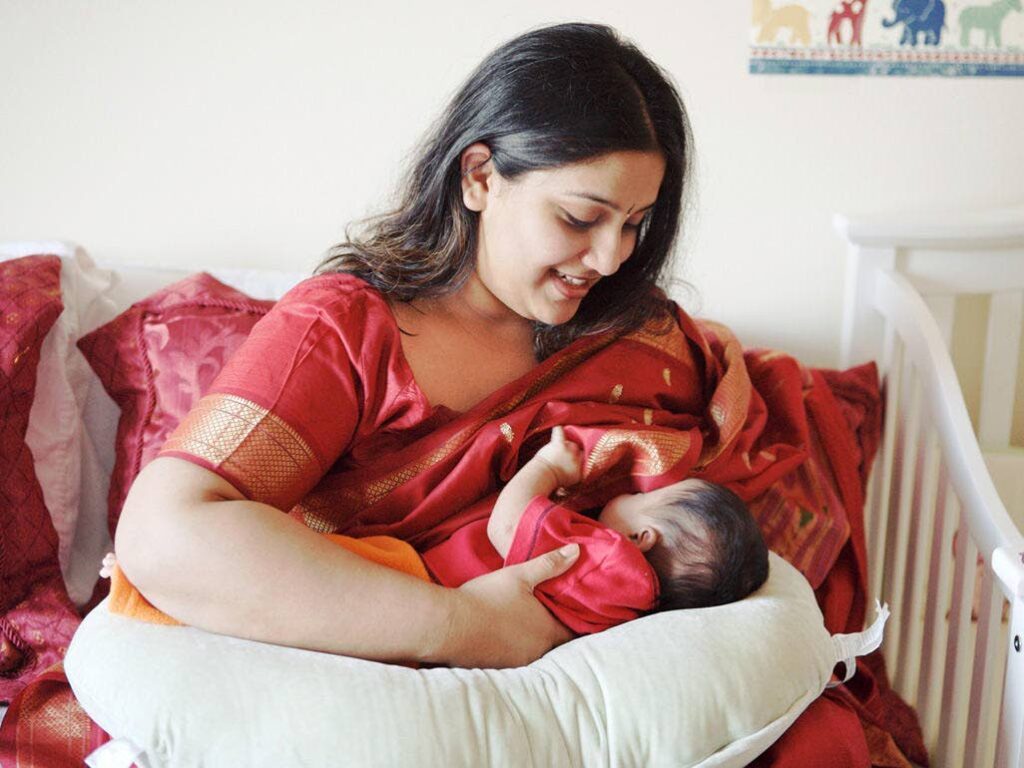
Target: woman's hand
[497, 622]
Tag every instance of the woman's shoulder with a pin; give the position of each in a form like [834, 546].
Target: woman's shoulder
[329, 286]
[335, 294]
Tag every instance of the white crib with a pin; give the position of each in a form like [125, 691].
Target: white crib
[943, 549]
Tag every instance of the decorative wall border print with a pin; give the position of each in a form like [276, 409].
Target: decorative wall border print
[953, 38]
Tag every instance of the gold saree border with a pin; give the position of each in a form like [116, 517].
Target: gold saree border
[248, 442]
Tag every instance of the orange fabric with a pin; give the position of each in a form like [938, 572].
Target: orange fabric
[126, 600]
[386, 550]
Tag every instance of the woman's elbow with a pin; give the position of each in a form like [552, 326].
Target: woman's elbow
[158, 519]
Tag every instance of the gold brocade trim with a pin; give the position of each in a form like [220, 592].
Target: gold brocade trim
[666, 374]
[51, 715]
[616, 394]
[248, 442]
[648, 416]
[654, 452]
[507, 432]
[323, 511]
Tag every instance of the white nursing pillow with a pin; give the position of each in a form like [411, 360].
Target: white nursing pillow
[708, 687]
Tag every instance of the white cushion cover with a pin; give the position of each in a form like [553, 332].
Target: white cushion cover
[706, 687]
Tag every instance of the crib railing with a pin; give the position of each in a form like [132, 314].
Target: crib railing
[942, 549]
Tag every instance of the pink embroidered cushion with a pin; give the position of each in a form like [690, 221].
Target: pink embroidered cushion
[29, 571]
[157, 358]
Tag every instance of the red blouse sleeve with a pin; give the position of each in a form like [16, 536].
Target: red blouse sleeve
[287, 404]
[610, 583]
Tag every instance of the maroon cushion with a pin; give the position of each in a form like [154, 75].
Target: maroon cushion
[29, 306]
[34, 634]
[158, 357]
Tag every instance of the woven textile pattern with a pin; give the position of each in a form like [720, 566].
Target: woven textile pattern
[29, 306]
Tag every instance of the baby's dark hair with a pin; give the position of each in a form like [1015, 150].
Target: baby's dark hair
[711, 551]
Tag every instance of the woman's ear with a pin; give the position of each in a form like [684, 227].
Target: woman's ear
[476, 175]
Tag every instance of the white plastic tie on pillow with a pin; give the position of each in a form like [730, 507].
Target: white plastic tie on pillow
[119, 753]
[849, 647]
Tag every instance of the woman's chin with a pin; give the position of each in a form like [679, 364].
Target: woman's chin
[559, 315]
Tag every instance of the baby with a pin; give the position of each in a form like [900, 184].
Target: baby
[687, 545]
[699, 538]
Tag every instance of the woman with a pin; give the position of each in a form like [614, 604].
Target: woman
[540, 211]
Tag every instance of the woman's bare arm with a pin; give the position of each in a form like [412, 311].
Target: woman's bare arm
[205, 555]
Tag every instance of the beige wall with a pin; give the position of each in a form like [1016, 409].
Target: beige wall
[249, 133]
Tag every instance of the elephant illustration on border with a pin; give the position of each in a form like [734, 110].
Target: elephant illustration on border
[918, 16]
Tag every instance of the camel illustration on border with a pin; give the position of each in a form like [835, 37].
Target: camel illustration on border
[988, 18]
[847, 9]
[772, 20]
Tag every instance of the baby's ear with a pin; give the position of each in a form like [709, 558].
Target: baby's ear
[646, 537]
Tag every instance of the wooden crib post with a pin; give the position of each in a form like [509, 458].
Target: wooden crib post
[862, 326]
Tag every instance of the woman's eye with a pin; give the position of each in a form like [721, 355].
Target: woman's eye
[574, 222]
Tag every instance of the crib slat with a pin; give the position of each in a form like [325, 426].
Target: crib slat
[937, 607]
[943, 309]
[923, 522]
[999, 376]
[988, 662]
[960, 642]
[892, 368]
[908, 427]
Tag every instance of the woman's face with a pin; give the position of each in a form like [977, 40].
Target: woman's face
[548, 236]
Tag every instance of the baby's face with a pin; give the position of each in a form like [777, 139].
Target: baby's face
[631, 512]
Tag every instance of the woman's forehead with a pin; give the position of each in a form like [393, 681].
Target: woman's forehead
[622, 181]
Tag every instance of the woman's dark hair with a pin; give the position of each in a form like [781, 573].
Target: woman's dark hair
[552, 96]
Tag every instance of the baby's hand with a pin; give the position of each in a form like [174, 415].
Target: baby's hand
[109, 561]
[563, 457]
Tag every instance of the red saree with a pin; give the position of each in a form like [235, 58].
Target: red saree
[319, 414]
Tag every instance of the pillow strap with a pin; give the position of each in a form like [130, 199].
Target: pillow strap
[848, 647]
[119, 753]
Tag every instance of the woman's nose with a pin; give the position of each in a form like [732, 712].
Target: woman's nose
[604, 255]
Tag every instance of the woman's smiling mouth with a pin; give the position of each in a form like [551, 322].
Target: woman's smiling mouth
[570, 286]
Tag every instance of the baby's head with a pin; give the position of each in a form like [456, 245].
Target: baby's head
[700, 539]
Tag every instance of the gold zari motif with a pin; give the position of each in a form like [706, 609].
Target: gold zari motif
[654, 453]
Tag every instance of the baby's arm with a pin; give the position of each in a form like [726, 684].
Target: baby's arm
[556, 464]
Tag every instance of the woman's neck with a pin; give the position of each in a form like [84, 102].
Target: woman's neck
[476, 309]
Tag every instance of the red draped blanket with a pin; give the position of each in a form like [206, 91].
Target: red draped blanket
[672, 400]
